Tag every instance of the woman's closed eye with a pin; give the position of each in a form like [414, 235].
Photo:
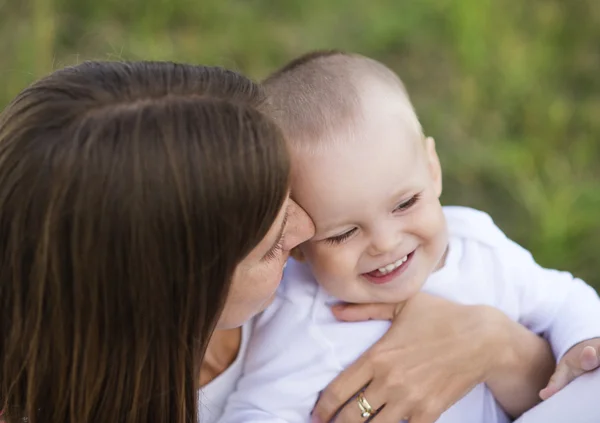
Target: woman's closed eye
[338, 239]
[274, 252]
[277, 248]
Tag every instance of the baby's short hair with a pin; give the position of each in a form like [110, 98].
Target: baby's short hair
[318, 94]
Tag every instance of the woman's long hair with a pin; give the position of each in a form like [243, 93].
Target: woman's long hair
[129, 192]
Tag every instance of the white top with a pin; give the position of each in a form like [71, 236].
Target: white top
[213, 396]
[298, 347]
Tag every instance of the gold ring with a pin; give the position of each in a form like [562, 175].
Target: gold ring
[365, 408]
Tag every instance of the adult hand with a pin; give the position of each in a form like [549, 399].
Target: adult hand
[435, 352]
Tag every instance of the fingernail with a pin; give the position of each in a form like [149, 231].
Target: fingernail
[315, 419]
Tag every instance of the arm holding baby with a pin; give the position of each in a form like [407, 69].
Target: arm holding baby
[562, 308]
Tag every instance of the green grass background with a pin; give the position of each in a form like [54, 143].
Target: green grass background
[510, 89]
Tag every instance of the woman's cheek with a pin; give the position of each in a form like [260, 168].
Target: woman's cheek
[274, 274]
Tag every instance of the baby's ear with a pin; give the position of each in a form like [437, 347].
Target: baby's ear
[435, 169]
[297, 254]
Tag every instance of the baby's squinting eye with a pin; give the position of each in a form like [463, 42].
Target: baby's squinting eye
[409, 203]
[338, 239]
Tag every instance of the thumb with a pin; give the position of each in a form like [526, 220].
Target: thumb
[362, 312]
[561, 378]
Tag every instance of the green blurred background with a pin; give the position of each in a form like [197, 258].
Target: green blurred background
[510, 89]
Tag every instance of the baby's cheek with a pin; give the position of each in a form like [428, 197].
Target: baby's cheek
[332, 267]
[432, 224]
[329, 264]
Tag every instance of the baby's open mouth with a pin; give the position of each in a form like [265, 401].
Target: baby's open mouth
[389, 268]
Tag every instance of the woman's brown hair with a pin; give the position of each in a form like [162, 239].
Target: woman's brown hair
[129, 192]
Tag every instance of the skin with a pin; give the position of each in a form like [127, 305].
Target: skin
[413, 369]
[257, 277]
[374, 199]
[373, 195]
[582, 358]
[514, 362]
[253, 286]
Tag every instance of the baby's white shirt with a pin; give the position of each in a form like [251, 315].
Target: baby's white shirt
[298, 347]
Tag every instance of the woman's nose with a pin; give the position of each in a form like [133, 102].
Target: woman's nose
[300, 227]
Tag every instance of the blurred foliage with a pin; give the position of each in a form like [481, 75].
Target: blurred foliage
[509, 89]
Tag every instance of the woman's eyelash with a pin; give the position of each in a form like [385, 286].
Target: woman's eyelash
[273, 253]
[338, 239]
[408, 204]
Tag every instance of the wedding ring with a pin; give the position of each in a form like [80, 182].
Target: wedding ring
[366, 410]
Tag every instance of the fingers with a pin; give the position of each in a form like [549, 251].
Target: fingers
[406, 411]
[547, 392]
[423, 418]
[413, 407]
[351, 412]
[561, 378]
[428, 408]
[589, 358]
[342, 390]
[362, 312]
[387, 415]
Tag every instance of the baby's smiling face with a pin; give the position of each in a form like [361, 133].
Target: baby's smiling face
[374, 199]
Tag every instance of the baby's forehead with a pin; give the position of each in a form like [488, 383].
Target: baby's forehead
[354, 178]
[362, 155]
[379, 125]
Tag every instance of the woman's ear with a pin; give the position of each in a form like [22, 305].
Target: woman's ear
[435, 169]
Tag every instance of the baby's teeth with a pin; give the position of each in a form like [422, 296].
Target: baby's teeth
[390, 267]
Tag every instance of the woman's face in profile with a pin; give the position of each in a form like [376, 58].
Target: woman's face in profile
[257, 277]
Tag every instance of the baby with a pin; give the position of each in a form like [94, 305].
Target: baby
[371, 182]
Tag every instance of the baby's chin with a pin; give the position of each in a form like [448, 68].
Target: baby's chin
[394, 297]
[366, 293]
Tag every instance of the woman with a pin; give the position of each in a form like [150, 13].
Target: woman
[144, 217]
[131, 195]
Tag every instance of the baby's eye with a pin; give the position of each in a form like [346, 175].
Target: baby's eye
[409, 203]
[338, 239]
